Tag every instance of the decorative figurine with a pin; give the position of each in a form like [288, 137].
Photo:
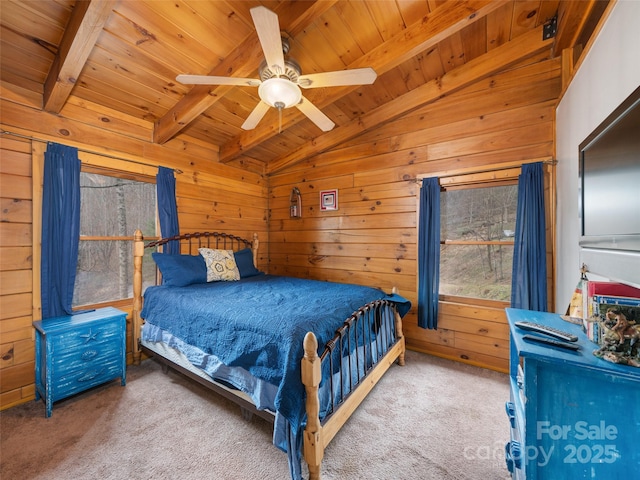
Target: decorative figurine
[621, 339]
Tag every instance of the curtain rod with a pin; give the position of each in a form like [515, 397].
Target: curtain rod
[485, 169]
[106, 155]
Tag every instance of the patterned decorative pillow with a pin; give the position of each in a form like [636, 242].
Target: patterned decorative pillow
[221, 265]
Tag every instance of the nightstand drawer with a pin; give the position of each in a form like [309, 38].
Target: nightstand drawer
[73, 381]
[84, 338]
[84, 356]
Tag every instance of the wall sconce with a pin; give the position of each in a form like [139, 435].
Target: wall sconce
[295, 203]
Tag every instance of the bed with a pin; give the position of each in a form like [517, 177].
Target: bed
[302, 354]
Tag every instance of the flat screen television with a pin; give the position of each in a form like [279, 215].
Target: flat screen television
[609, 195]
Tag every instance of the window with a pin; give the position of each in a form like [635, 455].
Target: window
[112, 209]
[477, 225]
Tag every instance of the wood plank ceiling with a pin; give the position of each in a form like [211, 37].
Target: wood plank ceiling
[123, 56]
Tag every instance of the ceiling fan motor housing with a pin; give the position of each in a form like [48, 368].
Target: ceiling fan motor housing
[291, 71]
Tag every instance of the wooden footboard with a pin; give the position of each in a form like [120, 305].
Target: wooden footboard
[318, 434]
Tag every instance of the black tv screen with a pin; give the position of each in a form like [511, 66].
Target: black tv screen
[610, 181]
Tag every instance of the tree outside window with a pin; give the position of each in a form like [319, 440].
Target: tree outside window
[112, 208]
[477, 228]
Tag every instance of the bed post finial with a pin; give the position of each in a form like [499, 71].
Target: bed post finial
[254, 249]
[311, 376]
[138, 253]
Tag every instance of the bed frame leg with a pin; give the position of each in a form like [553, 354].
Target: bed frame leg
[246, 414]
[311, 375]
[138, 253]
[399, 333]
[400, 337]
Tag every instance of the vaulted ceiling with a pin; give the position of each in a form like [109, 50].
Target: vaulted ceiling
[122, 57]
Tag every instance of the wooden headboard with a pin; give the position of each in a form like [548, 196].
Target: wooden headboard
[191, 242]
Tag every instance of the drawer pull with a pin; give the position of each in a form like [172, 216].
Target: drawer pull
[511, 413]
[507, 457]
[89, 355]
[513, 455]
[520, 378]
[87, 377]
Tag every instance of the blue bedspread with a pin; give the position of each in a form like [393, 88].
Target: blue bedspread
[259, 323]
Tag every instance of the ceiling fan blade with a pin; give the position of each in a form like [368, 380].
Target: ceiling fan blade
[356, 76]
[213, 80]
[268, 29]
[255, 116]
[315, 115]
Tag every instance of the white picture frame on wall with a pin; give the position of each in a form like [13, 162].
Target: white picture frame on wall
[329, 200]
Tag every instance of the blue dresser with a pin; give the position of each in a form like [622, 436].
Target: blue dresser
[78, 352]
[572, 415]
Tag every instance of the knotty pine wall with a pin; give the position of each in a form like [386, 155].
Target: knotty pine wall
[210, 196]
[371, 239]
[16, 275]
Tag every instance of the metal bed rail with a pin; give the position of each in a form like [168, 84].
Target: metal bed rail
[357, 346]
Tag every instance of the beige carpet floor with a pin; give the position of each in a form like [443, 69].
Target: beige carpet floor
[432, 419]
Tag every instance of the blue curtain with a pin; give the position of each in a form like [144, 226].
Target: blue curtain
[167, 208]
[529, 277]
[60, 229]
[429, 253]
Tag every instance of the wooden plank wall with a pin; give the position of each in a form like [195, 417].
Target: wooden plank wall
[210, 196]
[16, 332]
[372, 238]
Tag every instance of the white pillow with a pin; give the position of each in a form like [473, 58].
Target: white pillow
[221, 265]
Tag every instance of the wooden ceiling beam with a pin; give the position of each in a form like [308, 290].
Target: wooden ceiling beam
[242, 62]
[522, 47]
[85, 24]
[572, 19]
[418, 37]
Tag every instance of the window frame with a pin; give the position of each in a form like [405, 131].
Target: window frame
[475, 177]
[138, 177]
[451, 186]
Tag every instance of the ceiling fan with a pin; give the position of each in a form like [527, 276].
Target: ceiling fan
[280, 80]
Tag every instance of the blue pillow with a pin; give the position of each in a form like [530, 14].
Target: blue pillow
[181, 270]
[244, 261]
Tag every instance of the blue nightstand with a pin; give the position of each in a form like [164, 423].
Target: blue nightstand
[572, 415]
[78, 352]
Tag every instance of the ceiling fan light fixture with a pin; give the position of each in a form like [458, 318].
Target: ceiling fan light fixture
[280, 79]
[280, 93]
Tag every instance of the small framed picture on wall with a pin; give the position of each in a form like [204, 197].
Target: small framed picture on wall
[329, 200]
